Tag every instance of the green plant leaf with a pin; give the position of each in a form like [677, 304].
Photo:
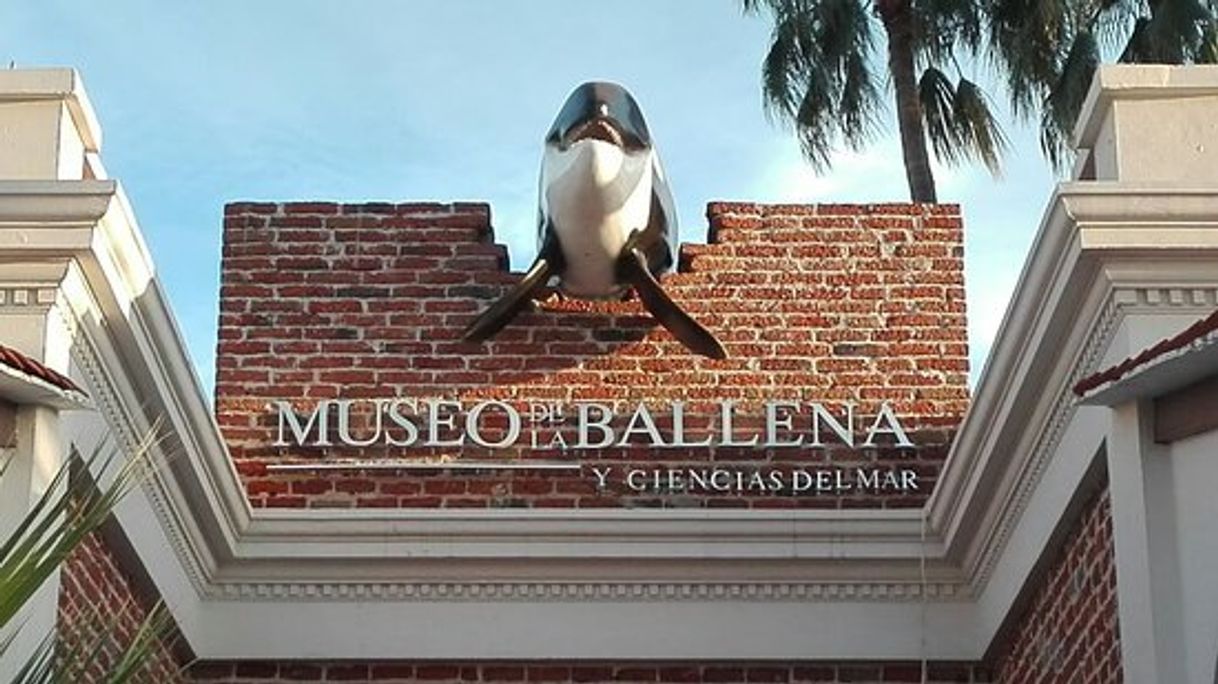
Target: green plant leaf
[981, 136]
[68, 510]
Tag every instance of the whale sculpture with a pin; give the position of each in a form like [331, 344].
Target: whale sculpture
[606, 218]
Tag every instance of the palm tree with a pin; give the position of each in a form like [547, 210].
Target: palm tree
[70, 509]
[1049, 50]
[819, 76]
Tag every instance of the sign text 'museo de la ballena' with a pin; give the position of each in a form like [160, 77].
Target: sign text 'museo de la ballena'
[409, 422]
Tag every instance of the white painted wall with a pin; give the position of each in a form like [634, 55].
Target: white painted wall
[1195, 481]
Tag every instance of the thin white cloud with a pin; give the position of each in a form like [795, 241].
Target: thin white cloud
[874, 174]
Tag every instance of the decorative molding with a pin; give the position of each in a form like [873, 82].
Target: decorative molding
[37, 298]
[1120, 302]
[57, 213]
[1133, 299]
[588, 591]
[101, 389]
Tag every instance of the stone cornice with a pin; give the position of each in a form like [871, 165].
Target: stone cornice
[1078, 271]
[49, 208]
[1113, 82]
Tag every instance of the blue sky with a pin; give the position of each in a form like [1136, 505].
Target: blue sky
[206, 103]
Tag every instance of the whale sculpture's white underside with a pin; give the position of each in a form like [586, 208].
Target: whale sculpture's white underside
[595, 194]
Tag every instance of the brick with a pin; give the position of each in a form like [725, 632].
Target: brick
[391, 671]
[202, 671]
[548, 673]
[1057, 612]
[722, 674]
[347, 673]
[636, 674]
[301, 672]
[858, 673]
[256, 669]
[680, 674]
[823, 673]
[237, 208]
[767, 674]
[436, 672]
[368, 300]
[257, 487]
[310, 208]
[902, 672]
[591, 673]
[503, 673]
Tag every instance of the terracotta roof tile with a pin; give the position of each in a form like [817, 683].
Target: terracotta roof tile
[18, 361]
[1115, 372]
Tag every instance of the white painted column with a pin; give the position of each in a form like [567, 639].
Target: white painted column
[1149, 599]
[33, 454]
[37, 456]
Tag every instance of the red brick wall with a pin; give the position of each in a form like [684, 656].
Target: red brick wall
[98, 592]
[1069, 630]
[439, 673]
[834, 303]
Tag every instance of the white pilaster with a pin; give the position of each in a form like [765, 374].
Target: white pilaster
[1145, 545]
[49, 138]
[37, 456]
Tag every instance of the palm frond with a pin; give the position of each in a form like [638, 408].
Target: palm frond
[1208, 52]
[1139, 48]
[1048, 50]
[814, 121]
[781, 71]
[62, 517]
[817, 74]
[859, 104]
[1173, 33]
[1111, 22]
[1024, 45]
[69, 509]
[940, 26]
[860, 100]
[40, 666]
[144, 645]
[981, 136]
[959, 122]
[937, 93]
[1065, 99]
[94, 644]
[840, 28]
[755, 6]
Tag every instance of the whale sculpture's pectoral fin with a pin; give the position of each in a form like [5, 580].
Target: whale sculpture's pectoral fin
[509, 305]
[633, 268]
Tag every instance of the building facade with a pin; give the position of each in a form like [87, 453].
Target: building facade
[368, 498]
